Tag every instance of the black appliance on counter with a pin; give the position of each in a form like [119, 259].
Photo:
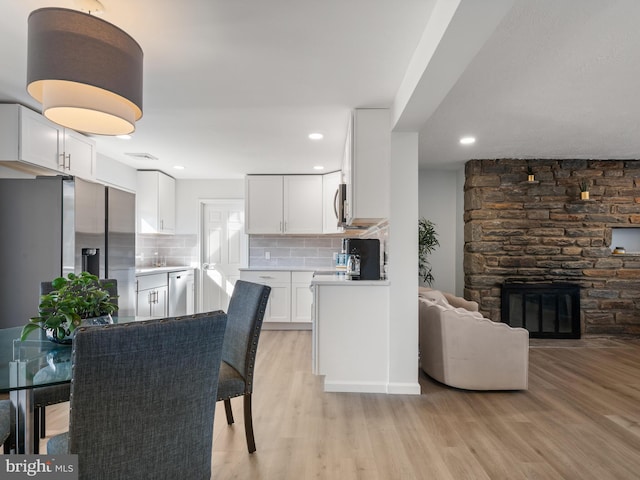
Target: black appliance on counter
[368, 249]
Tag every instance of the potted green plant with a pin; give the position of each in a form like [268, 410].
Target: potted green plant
[72, 300]
[427, 242]
[584, 189]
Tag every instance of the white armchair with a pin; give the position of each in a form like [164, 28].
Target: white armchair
[463, 349]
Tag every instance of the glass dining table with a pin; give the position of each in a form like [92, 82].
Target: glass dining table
[28, 365]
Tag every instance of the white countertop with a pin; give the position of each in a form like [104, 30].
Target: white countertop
[345, 280]
[152, 270]
[278, 269]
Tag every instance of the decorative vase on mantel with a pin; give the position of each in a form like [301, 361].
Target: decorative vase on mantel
[584, 190]
[530, 175]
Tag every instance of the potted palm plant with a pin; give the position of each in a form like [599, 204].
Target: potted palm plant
[427, 242]
[72, 300]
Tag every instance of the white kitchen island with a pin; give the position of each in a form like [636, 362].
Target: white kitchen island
[350, 333]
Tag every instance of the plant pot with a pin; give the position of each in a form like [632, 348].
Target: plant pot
[584, 195]
[52, 334]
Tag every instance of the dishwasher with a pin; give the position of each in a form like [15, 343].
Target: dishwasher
[181, 293]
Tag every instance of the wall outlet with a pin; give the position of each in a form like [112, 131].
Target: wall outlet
[267, 255]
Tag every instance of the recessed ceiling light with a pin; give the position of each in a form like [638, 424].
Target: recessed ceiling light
[316, 136]
[318, 167]
[178, 167]
[124, 137]
[467, 140]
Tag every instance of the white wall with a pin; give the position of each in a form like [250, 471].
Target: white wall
[190, 192]
[441, 200]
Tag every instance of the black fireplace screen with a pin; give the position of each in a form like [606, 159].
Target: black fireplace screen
[550, 310]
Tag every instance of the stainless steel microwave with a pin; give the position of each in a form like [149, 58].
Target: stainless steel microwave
[340, 205]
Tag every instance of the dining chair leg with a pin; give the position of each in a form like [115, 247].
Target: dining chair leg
[43, 422]
[248, 424]
[36, 431]
[227, 409]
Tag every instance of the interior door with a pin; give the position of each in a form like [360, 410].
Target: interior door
[224, 248]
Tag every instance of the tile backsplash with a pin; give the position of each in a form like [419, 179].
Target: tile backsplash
[314, 251]
[298, 251]
[169, 250]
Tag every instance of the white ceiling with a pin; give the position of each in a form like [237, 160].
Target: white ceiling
[557, 79]
[235, 86]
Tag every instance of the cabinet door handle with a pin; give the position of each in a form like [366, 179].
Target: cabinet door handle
[281, 227]
[69, 161]
[264, 276]
[335, 203]
[285, 226]
[62, 165]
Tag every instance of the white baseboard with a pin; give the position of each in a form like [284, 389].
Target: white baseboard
[355, 387]
[404, 388]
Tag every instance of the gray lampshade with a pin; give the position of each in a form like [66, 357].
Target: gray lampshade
[86, 73]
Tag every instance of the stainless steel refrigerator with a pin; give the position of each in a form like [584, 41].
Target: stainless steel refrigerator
[52, 226]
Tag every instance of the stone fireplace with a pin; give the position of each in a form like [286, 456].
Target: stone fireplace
[541, 231]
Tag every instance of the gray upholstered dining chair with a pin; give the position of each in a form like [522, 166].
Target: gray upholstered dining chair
[245, 314]
[138, 390]
[58, 393]
[5, 423]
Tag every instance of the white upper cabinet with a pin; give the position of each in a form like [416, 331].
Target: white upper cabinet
[79, 155]
[264, 201]
[302, 204]
[366, 166]
[155, 202]
[330, 184]
[31, 141]
[285, 204]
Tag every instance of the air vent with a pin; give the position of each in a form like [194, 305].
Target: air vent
[142, 156]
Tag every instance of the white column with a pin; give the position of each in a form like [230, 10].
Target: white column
[403, 265]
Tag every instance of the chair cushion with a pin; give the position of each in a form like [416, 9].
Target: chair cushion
[58, 444]
[230, 382]
[5, 419]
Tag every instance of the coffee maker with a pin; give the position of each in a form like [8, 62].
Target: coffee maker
[367, 251]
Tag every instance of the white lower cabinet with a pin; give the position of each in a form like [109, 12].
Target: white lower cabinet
[290, 298]
[152, 292]
[301, 297]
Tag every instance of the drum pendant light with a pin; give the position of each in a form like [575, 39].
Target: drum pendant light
[86, 72]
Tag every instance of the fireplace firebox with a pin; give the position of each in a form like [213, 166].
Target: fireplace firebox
[546, 310]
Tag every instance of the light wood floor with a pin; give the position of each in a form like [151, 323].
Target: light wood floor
[580, 419]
